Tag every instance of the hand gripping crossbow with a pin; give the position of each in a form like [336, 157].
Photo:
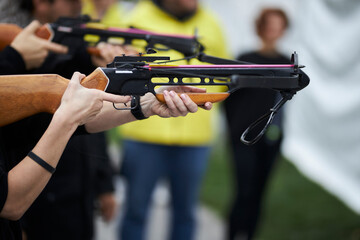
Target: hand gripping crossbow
[133, 75]
[90, 32]
[129, 75]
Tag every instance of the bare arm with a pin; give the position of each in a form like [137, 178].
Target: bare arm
[80, 105]
[175, 106]
[27, 179]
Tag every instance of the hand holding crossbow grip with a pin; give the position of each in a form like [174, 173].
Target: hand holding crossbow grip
[22, 96]
[10, 31]
[199, 98]
[45, 32]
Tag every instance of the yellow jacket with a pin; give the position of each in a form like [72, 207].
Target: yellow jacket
[194, 129]
[113, 16]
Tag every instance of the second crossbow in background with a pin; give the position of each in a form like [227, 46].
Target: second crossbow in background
[65, 30]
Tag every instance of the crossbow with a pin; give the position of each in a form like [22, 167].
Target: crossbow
[138, 75]
[134, 76]
[65, 30]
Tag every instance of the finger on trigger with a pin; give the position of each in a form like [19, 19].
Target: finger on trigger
[114, 98]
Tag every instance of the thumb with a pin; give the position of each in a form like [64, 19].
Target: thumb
[77, 77]
[32, 27]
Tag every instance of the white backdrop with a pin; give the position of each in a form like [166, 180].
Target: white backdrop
[322, 124]
[238, 18]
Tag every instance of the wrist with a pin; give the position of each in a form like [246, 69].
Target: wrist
[136, 108]
[147, 102]
[64, 122]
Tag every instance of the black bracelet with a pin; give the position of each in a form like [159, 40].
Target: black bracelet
[136, 108]
[41, 162]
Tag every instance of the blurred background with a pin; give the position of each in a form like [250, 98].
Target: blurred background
[301, 181]
[313, 191]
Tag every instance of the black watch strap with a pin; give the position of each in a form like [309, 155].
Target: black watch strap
[136, 108]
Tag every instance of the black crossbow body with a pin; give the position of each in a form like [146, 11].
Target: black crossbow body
[134, 76]
[25, 95]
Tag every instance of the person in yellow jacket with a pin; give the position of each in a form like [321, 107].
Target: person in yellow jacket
[177, 149]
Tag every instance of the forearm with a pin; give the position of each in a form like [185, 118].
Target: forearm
[175, 106]
[27, 179]
[109, 118]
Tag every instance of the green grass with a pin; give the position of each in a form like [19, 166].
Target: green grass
[217, 185]
[294, 207]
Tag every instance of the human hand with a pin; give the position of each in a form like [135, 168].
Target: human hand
[107, 203]
[79, 104]
[33, 49]
[109, 51]
[175, 105]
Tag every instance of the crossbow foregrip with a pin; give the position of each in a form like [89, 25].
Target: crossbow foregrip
[200, 98]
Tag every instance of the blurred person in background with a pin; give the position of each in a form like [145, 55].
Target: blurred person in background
[252, 164]
[28, 163]
[23, 181]
[110, 12]
[24, 176]
[27, 51]
[177, 150]
[85, 167]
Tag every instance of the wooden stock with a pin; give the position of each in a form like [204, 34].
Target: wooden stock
[44, 32]
[9, 31]
[200, 98]
[22, 96]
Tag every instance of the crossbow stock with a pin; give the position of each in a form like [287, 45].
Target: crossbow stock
[138, 75]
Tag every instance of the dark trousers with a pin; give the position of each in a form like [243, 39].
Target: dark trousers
[252, 165]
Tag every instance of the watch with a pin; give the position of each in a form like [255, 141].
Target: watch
[136, 108]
